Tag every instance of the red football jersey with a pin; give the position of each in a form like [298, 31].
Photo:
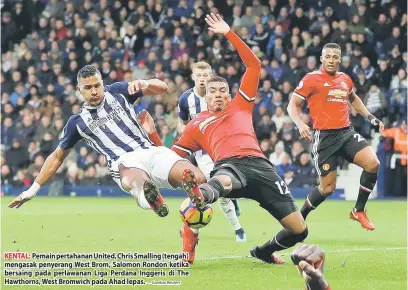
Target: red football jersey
[228, 133]
[224, 134]
[328, 98]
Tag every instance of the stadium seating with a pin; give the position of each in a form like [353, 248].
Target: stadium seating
[44, 44]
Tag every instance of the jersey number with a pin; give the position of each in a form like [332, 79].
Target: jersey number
[281, 184]
[359, 137]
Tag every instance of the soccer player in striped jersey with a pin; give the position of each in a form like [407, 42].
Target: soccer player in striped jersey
[108, 123]
[191, 104]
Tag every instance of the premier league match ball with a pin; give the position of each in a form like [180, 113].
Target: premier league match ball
[193, 216]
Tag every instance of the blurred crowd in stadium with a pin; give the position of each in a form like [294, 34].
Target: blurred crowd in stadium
[44, 44]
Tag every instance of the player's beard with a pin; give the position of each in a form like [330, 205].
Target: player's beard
[95, 101]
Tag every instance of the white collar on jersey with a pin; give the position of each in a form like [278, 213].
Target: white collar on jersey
[196, 93]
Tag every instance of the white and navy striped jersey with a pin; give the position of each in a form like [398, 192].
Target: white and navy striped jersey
[111, 128]
[191, 105]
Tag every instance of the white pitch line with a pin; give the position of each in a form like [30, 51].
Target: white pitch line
[328, 251]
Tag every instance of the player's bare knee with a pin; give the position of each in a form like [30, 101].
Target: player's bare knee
[301, 234]
[226, 181]
[373, 166]
[130, 176]
[180, 166]
[126, 183]
[327, 189]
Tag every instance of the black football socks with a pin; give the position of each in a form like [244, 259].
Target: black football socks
[367, 183]
[212, 190]
[281, 241]
[312, 201]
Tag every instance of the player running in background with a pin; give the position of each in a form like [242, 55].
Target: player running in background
[241, 170]
[191, 104]
[328, 93]
[108, 123]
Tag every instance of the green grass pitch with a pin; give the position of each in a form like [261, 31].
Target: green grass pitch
[355, 258]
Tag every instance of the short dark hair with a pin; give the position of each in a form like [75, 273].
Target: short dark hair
[87, 71]
[332, 45]
[217, 79]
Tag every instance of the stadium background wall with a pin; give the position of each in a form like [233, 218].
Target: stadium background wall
[384, 178]
[114, 191]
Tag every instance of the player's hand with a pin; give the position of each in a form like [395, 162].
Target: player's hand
[381, 125]
[376, 122]
[20, 200]
[305, 132]
[216, 24]
[309, 260]
[137, 85]
[146, 120]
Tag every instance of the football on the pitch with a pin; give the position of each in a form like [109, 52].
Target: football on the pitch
[193, 216]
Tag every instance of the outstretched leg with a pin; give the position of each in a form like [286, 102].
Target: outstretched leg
[177, 172]
[294, 231]
[219, 185]
[138, 183]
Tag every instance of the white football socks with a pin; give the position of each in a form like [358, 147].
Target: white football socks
[138, 193]
[194, 230]
[229, 210]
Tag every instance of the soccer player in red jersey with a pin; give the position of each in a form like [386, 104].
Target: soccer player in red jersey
[241, 170]
[328, 93]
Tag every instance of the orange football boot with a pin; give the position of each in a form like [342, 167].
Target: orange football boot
[361, 217]
[155, 199]
[190, 186]
[190, 241]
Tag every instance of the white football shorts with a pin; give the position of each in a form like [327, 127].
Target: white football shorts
[157, 162]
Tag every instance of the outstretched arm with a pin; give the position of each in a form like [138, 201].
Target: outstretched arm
[68, 140]
[358, 104]
[137, 88]
[148, 87]
[249, 83]
[51, 165]
[250, 80]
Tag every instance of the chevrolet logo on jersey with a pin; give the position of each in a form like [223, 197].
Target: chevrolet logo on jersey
[340, 96]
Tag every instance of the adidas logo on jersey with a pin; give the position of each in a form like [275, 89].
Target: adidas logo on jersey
[326, 85]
